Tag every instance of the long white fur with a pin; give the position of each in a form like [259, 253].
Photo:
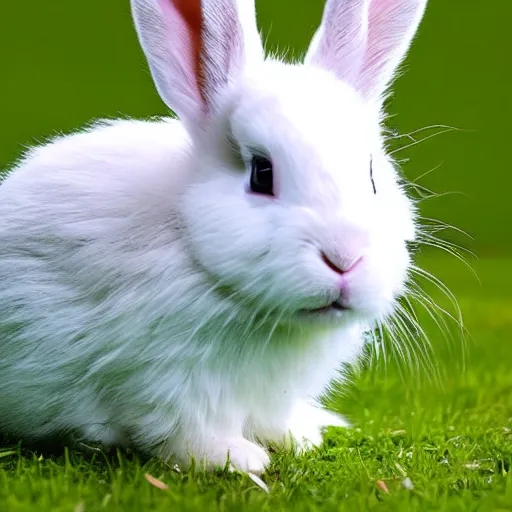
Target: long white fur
[145, 296]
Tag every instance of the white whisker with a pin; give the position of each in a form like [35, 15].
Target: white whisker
[425, 174]
[409, 135]
[416, 142]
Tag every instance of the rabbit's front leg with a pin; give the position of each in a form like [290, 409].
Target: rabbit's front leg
[306, 423]
[242, 454]
[211, 449]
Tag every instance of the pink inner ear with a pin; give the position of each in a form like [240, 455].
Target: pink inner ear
[194, 47]
[388, 26]
[343, 43]
[186, 16]
[381, 32]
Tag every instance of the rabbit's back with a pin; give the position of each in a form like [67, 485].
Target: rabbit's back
[80, 218]
[107, 170]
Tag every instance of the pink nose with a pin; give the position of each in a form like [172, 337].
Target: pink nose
[348, 247]
[341, 269]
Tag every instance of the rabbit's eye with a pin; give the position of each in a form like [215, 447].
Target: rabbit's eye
[371, 176]
[262, 176]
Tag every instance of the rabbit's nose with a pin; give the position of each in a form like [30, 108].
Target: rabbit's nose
[343, 267]
[346, 248]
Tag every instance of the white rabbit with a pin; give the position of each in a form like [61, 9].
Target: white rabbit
[194, 286]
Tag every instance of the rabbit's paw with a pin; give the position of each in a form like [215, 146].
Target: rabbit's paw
[307, 423]
[243, 455]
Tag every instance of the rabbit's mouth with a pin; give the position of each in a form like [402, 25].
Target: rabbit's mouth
[335, 308]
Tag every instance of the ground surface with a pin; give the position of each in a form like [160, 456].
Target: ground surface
[450, 437]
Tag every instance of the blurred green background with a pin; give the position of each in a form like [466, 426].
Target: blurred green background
[63, 64]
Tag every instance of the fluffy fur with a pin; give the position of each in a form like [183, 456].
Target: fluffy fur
[146, 296]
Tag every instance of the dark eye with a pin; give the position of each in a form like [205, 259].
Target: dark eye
[262, 176]
[371, 176]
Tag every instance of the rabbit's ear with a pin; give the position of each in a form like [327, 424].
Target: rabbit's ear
[195, 48]
[364, 41]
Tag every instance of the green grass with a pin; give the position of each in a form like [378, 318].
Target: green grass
[450, 435]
